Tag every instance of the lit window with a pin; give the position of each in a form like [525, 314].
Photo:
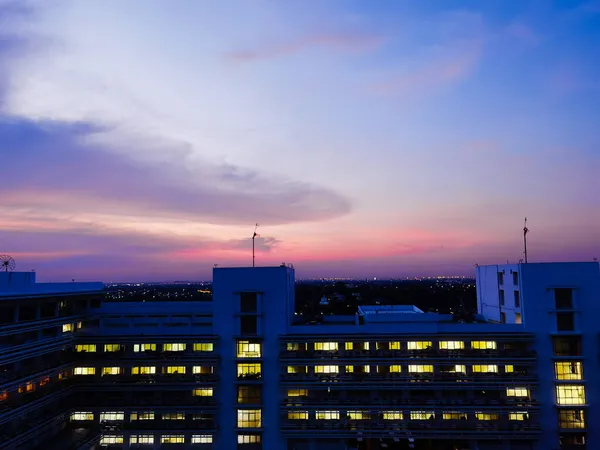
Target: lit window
[144, 347]
[395, 345]
[85, 348]
[29, 387]
[248, 370]
[112, 347]
[141, 439]
[517, 392]
[509, 369]
[420, 368]
[298, 415]
[326, 346]
[44, 381]
[68, 327]
[82, 415]
[203, 347]
[568, 370]
[451, 345]
[203, 370]
[297, 392]
[247, 349]
[453, 415]
[571, 418]
[84, 371]
[395, 369]
[248, 439]
[3, 396]
[249, 418]
[392, 415]
[174, 347]
[422, 415]
[358, 369]
[297, 369]
[483, 345]
[143, 370]
[460, 368]
[326, 369]
[486, 416]
[112, 416]
[142, 416]
[79, 325]
[176, 369]
[349, 346]
[419, 345]
[570, 394]
[202, 439]
[328, 415]
[486, 368]
[172, 439]
[173, 416]
[292, 347]
[108, 439]
[111, 370]
[518, 416]
[203, 392]
[358, 415]
[518, 318]
[356, 346]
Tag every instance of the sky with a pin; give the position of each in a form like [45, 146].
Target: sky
[142, 140]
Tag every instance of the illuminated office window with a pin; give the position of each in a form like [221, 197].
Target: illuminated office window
[460, 368]
[568, 370]
[203, 347]
[144, 347]
[327, 415]
[420, 368]
[174, 347]
[518, 317]
[454, 415]
[517, 392]
[248, 370]
[112, 347]
[173, 416]
[520, 416]
[392, 415]
[143, 370]
[483, 345]
[297, 392]
[203, 392]
[111, 370]
[84, 371]
[509, 369]
[82, 416]
[571, 418]
[79, 325]
[247, 349]
[486, 416]
[395, 346]
[142, 416]
[358, 415]
[356, 346]
[358, 369]
[202, 370]
[113, 416]
[68, 327]
[292, 347]
[176, 369]
[451, 345]
[202, 439]
[422, 415]
[172, 439]
[486, 368]
[90, 348]
[108, 439]
[395, 369]
[298, 415]
[570, 394]
[249, 418]
[349, 346]
[248, 439]
[327, 369]
[3, 396]
[326, 346]
[141, 439]
[44, 381]
[419, 345]
[297, 369]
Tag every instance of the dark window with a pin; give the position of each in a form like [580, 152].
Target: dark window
[500, 278]
[563, 298]
[517, 299]
[501, 296]
[249, 395]
[565, 321]
[249, 325]
[567, 346]
[572, 440]
[516, 278]
[503, 317]
[248, 302]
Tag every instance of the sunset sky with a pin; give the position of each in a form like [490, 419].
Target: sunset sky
[141, 140]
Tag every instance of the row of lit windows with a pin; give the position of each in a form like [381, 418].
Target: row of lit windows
[143, 370]
[70, 327]
[172, 347]
[108, 439]
[395, 345]
[570, 394]
[412, 368]
[116, 416]
[399, 415]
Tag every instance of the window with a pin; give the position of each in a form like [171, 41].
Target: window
[395, 346]
[326, 346]
[112, 416]
[172, 439]
[143, 370]
[202, 439]
[395, 369]
[570, 394]
[108, 439]
[501, 296]
[327, 415]
[249, 395]
[203, 347]
[483, 345]
[392, 415]
[202, 370]
[248, 325]
[249, 418]
[203, 392]
[142, 416]
[112, 347]
[565, 321]
[500, 278]
[487, 368]
[509, 369]
[249, 370]
[111, 370]
[563, 298]
[44, 381]
[144, 347]
[84, 371]
[567, 346]
[358, 415]
[174, 347]
[518, 318]
[81, 415]
[515, 278]
[357, 346]
[517, 295]
[419, 345]
[502, 317]
[247, 349]
[326, 369]
[518, 416]
[175, 370]
[173, 416]
[297, 415]
[297, 392]
[568, 370]
[422, 415]
[297, 369]
[248, 302]
[141, 439]
[420, 368]
[3, 396]
[486, 416]
[517, 392]
[68, 327]
[85, 348]
[571, 418]
[451, 345]
[453, 415]
[248, 439]
[358, 369]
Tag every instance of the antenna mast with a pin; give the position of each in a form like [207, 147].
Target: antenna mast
[525, 231]
[253, 236]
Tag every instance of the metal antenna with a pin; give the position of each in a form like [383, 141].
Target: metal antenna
[525, 231]
[253, 236]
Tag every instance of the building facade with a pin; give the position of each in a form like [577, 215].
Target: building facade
[243, 371]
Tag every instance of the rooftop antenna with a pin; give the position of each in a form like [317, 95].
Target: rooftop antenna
[525, 231]
[7, 263]
[253, 236]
